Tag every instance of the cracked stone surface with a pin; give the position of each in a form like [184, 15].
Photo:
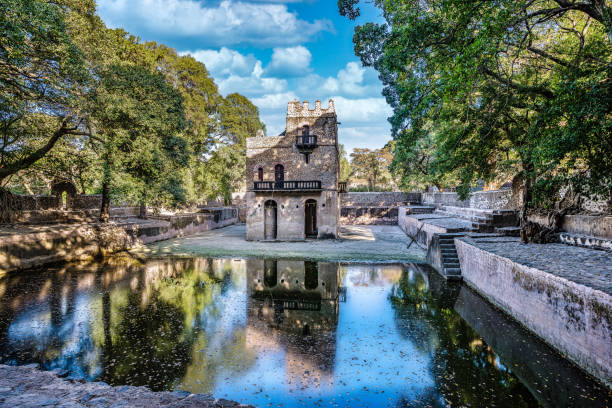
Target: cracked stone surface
[26, 386]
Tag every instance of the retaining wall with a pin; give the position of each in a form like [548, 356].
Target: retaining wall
[574, 319]
[71, 243]
[368, 215]
[378, 199]
[483, 200]
[592, 225]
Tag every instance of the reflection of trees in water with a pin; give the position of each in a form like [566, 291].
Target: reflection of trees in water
[142, 324]
[149, 345]
[465, 369]
[155, 329]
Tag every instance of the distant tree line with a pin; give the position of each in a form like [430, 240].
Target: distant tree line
[496, 90]
[95, 106]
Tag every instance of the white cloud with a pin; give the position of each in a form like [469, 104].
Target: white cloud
[226, 23]
[251, 85]
[274, 101]
[371, 137]
[289, 62]
[225, 62]
[352, 80]
[361, 110]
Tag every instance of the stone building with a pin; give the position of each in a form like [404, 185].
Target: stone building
[292, 179]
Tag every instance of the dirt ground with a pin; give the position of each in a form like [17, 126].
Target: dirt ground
[357, 243]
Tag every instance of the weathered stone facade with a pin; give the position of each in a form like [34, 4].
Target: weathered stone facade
[285, 173]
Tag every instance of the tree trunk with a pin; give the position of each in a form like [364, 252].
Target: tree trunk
[142, 213]
[106, 180]
[105, 210]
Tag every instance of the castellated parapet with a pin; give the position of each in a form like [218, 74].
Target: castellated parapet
[297, 172]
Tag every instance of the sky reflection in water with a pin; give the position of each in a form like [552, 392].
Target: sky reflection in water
[283, 333]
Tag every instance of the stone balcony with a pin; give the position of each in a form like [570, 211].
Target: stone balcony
[287, 185]
[306, 142]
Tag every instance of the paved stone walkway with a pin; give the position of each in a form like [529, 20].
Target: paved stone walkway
[26, 386]
[357, 243]
[589, 267]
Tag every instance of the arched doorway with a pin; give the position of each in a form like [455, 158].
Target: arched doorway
[270, 219]
[310, 218]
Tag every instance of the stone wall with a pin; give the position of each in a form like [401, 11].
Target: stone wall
[291, 215]
[599, 226]
[76, 242]
[368, 215]
[574, 319]
[87, 201]
[378, 199]
[484, 200]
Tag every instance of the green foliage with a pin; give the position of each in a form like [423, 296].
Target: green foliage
[42, 73]
[489, 90]
[97, 107]
[372, 166]
[345, 166]
[137, 119]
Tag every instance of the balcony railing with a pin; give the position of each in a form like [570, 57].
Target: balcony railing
[306, 142]
[287, 185]
[342, 187]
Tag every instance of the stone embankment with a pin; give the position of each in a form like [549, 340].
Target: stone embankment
[561, 293]
[26, 386]
[30, 246]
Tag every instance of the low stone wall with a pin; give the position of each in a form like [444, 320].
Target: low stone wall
[574, 319]
[599, 226]
[378, 199]
[483, 200]
[423, 232]
[71, 243]
[87, 201]
[368, 215]
[26, 386]
[56, 216]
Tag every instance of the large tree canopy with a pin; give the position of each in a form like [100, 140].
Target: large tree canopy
[491, 89]
[42, 76]
[98, 107]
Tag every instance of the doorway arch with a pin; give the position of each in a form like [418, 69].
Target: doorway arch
[270, 220]
[310, 218]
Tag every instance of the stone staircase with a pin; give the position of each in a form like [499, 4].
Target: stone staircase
[490, 222]
[450, 259]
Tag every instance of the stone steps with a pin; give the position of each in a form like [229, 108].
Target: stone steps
[450, 259]
[509, 231]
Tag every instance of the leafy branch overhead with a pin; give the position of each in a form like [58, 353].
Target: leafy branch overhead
[496, 90]
[150, 123]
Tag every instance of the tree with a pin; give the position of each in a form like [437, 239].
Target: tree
[137, 119]
[371, 165]
[345, 166]
[498, 88]
[42, 75]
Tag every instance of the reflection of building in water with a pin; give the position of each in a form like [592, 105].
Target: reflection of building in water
[293, 306]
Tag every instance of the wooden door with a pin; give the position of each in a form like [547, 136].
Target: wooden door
[310, 221]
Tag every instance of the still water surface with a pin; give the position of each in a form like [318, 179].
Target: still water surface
[283, 333]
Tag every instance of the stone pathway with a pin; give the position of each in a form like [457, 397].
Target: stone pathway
[26, 386]
[588, 267]
[357, 243]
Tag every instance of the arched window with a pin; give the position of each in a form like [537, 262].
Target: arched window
[279, 173]
[306, 131]
[260, 174]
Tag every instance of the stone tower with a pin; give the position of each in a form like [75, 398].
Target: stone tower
[292, 179]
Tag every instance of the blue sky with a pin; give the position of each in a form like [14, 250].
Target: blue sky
[271, 51]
